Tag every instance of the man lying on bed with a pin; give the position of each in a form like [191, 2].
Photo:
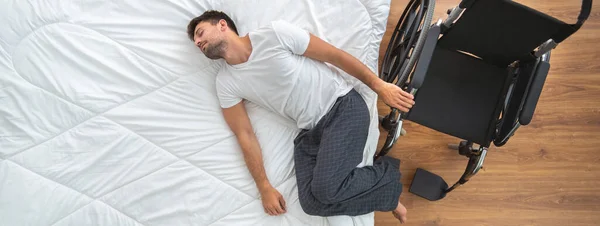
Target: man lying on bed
[280, 67]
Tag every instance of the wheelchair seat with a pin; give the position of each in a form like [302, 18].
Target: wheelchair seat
[477, 77]
[456, 93]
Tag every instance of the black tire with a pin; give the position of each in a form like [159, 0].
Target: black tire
[397, 66]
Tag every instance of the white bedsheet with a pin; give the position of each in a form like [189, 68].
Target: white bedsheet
[108, 113]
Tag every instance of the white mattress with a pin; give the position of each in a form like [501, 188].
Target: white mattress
[108, 113]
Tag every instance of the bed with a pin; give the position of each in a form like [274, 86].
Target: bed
[108, 113]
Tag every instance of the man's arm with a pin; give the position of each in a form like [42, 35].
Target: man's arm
[390, 93]
[238, 121]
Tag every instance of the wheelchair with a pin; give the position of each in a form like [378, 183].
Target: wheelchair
[477, 76]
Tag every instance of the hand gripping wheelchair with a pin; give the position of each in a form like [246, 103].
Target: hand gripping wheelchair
[476, 76]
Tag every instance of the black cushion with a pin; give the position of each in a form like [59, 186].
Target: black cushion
[460, 96]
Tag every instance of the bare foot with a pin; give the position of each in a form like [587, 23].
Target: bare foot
[400, 213]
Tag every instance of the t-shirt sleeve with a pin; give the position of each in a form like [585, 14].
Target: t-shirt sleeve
[291, 37]
[225, 93]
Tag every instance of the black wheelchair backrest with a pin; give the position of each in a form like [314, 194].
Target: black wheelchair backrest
[501, 31]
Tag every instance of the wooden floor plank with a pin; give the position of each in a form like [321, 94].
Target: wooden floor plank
[549, 171]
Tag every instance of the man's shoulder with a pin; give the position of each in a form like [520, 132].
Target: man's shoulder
[223, 74]
[282, 26]
[263, 28]
[275, 24]
[274, 27]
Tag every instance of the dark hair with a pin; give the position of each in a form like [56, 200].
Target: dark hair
[213, 17]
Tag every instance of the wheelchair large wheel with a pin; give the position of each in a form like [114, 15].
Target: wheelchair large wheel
[401, 57]
[407, 41]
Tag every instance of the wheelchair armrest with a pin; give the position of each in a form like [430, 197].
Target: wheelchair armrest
[425, 57]
[534, 92]
[523, 98]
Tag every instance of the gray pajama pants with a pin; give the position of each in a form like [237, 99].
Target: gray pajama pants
[326, 156]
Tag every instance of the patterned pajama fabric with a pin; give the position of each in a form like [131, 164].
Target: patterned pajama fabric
[326, 159]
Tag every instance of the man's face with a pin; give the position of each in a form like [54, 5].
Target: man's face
[210, 39]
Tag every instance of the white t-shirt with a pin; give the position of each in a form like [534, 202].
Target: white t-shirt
[277, 76]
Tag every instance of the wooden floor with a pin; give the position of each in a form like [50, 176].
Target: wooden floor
[548, 173]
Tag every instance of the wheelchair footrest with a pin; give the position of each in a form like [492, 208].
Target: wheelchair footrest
[428, 185]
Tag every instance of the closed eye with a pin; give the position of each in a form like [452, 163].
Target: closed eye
[197, 32]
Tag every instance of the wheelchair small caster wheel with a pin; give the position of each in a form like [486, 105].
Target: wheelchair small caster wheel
[403, 132]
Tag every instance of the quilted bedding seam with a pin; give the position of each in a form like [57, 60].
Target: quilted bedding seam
[276, 187]
[100, 201]
[100, 115]
[179, 158]
[130, 131]
[89, 111]
[70, 188]
[101, 34]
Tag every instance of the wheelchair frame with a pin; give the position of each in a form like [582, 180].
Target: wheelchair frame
[406, 62]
